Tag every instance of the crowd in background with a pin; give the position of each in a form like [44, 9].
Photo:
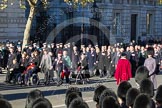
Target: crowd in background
[58, 57]
[93, 60]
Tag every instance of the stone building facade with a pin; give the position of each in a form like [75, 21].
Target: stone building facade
[119, 21]
[12, 22]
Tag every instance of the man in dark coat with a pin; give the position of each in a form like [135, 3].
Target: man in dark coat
[101, 62]
[5, 53]
[157, 58]
[142, 56]
[116, 56]
[133, 60]
[75, 58]
[58, 65]
[11, 57]
[84, 67]
[1, 58]
[30, 50]
[53, 49]
[13, 69]
[158, 97]
[91, 61]
[108, 63]
[18, 53]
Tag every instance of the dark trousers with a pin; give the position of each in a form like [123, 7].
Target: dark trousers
[66, 75]
[46, 77]
[8, 76]
[58, 72]
[48, 74]
[11, 75]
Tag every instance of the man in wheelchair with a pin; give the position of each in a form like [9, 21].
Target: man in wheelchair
[28, 73]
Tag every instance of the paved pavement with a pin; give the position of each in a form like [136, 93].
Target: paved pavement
[17, 94]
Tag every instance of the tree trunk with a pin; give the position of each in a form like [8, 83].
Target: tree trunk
[28, 26]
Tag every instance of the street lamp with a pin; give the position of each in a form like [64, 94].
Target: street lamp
[96, 16]
[76, 4]
[95, 11]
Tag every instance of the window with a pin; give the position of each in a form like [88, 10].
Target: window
[117, 24]
[149, 19]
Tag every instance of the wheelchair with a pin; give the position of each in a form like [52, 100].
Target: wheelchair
[35, 79]
[16, 79]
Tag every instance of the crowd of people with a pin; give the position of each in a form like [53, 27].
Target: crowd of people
[125, 97]
[69, 59]
[121, 61]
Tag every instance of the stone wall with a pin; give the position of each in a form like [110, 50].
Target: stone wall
[12, 22]
[12, 19]
[126, 10]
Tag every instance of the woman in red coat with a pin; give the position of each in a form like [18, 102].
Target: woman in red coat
[123, 69]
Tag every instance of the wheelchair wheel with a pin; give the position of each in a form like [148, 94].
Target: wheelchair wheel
[35, 79]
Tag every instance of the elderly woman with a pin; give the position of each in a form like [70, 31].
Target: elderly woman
[150, 64]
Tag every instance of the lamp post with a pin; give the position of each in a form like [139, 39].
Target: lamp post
[77, 4]
[96, 16]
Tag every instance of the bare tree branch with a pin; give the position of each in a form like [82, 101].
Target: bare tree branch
[32, 3]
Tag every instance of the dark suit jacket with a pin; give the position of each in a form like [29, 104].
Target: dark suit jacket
[91, 59]
[75, 59]
[101, 61]
[84, 63]
[15, 67]
[115, 58]
[11, 58]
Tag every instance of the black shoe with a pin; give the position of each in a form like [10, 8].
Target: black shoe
[0, 71]
[46, 83]
[6, 82]
[69, 82]
[101, 76]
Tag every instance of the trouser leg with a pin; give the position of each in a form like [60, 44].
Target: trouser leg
[67, 78]
[11, 76]
[108, 74]
[26, 77]
[46, 77]
[101, 72]
[91, 72]
[7, 76]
